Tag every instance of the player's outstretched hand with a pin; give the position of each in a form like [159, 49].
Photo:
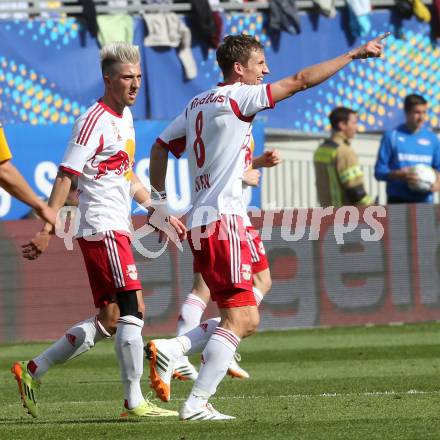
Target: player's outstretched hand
[168, 226]
[373, 49]
[271, 158]
[179, 227]
[35, 247]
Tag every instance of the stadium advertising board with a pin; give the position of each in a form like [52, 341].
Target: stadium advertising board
[329, 268]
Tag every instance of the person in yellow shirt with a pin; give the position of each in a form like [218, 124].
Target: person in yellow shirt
[339, 178]
[15, 184]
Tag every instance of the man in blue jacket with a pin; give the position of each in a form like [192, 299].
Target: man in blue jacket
[403, 147]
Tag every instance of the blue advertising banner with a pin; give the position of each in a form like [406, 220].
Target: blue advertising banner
[48, 74]
[37, 151]
[375, 87]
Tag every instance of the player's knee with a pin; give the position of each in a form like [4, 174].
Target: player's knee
[253, 323]
[108, 318]
[129, 305]
[112, 325]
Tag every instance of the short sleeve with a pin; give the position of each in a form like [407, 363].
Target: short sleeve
[173, 138]
[247, 100]
[86, 139]
[5, 153]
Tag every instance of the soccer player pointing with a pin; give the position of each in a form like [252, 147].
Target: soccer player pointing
[214, 129]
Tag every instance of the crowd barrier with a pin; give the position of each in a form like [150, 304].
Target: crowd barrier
[329, 267]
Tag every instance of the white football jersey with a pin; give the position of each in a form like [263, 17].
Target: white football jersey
[101, 152]
[247, 190]
[215, 130]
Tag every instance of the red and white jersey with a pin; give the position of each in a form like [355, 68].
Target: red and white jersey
[247, 190]
[101, 152]
[215, 130]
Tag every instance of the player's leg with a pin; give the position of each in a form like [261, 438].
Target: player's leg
[236, 324]
[262, 283]
[164, 354]
[128, 341]
[227, 268]
[79, 339]
[229, 277]
[194, 305]
[129, 350]
[82, 336]
[260, 265]
[190, 316]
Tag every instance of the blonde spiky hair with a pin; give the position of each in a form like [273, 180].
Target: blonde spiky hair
[118, 52]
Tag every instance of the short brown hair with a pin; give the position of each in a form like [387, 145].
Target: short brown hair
[236, 48]
[340, 114]
[412, 100]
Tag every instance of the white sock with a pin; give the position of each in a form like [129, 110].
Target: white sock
[129, 349]
[77, 340]
[190, 314]
[196, 339]
[216, 358]
[258, 294]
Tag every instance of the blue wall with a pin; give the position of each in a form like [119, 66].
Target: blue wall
[46, 75]
[39, 149]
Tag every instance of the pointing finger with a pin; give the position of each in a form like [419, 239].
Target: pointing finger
[382, 37]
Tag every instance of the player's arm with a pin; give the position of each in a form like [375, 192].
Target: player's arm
[268, 159]
[139, 192]
[142, 196]
[158, 167]
[60, 190]
[15, 184]
[316, 74]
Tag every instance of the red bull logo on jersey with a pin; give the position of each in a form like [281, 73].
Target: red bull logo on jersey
[120, 162]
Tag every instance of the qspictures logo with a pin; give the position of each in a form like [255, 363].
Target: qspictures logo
[294, 225]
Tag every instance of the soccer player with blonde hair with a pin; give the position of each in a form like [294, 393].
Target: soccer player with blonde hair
[101, 153]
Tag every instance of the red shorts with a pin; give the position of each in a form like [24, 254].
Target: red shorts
[259, 259]
[110, 265]
[221, 252]
[258, 253]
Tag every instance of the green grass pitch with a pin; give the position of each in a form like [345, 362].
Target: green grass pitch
[342, 383]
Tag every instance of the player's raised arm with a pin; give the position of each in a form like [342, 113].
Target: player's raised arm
[318, 73]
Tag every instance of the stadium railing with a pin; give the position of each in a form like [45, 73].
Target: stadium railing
[137, 6]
